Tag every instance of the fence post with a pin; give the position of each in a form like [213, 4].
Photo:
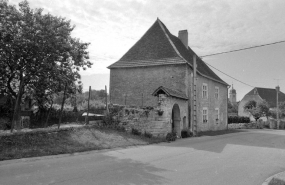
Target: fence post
[87, 118]
[107, 109]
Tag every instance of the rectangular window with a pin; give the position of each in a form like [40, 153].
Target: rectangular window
[217, 92]
[205, 115]
[205, 91]
[217, 114]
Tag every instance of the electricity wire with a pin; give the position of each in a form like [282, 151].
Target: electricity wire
[243, 49]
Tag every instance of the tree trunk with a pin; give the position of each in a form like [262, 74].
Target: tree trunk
[46, 124]
[62, 105]
[17, 110]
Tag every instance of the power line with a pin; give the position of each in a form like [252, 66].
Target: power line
[243, 49]
[229, 76]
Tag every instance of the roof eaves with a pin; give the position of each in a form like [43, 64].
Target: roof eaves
[169, 93]
[208, 76]
[146, 65]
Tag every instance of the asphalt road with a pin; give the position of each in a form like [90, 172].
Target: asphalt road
[247, 157]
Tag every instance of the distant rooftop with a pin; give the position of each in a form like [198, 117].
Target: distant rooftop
[270, 95]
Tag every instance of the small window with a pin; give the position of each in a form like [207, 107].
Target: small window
[217, 114]
[217, 92]
[205, 115]
[205, 91]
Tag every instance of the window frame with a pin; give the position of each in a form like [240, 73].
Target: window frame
[217, 115]
[205, 115]
[217, 92]
[206, 91]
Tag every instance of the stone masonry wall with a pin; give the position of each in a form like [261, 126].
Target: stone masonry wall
[145, 122]
[134, 86]
[150, 122]
[167, 106]
[211, 103]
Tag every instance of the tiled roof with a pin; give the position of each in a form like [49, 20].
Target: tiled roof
[269, 95]
[170, 92]
[159, 47]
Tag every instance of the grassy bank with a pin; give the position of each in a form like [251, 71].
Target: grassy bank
[67, 141]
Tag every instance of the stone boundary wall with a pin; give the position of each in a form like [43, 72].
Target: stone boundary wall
[145, 121]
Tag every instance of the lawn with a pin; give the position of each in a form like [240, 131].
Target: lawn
[43, 143]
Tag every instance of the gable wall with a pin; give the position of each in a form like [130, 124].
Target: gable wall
[212, 103]
[133, 82]
[246, 98]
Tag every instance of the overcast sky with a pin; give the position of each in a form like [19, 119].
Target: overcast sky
[112, 27]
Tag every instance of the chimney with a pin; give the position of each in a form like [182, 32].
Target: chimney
[183, 36]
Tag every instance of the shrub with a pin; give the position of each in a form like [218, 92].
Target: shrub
[120, 128]
[260, 124]
[171, 136]
[238, 119]
[186, 133]
[136, 132]
[147, 134]
[38, 119]
[267, 124]
[5, 123]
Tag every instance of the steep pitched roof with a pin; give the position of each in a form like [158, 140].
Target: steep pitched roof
[170, 92]
[269, 95]
[159, 47]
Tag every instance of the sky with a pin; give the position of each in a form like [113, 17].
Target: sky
[113, 27]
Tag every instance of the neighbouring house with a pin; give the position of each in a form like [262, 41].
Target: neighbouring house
[162, 70]
[259, 94]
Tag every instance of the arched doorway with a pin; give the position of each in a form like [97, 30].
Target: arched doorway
[176, 119]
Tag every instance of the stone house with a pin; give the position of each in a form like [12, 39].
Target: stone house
[162, 70]
[259, 94]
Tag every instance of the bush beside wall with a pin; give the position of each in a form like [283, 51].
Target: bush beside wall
[238, 119]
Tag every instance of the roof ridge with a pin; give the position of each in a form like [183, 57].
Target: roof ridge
[172, 44]
[265, 88]
[189, 50]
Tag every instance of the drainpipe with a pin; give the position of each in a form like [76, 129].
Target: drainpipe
[195, 121]
[227, 111]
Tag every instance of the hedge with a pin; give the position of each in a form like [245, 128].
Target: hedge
[238, 119]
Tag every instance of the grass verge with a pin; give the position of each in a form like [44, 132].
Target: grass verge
[71, 140]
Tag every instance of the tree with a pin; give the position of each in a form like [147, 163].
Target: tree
[232, 108]
[257, 110]
[264, 108]
[273, 112]
[38, 56]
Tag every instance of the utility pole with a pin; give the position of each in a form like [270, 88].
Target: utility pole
[277, 111]
[195, 129]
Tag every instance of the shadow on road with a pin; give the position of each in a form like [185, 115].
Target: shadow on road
[220, 132]
[256, 138]
[81, 169]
